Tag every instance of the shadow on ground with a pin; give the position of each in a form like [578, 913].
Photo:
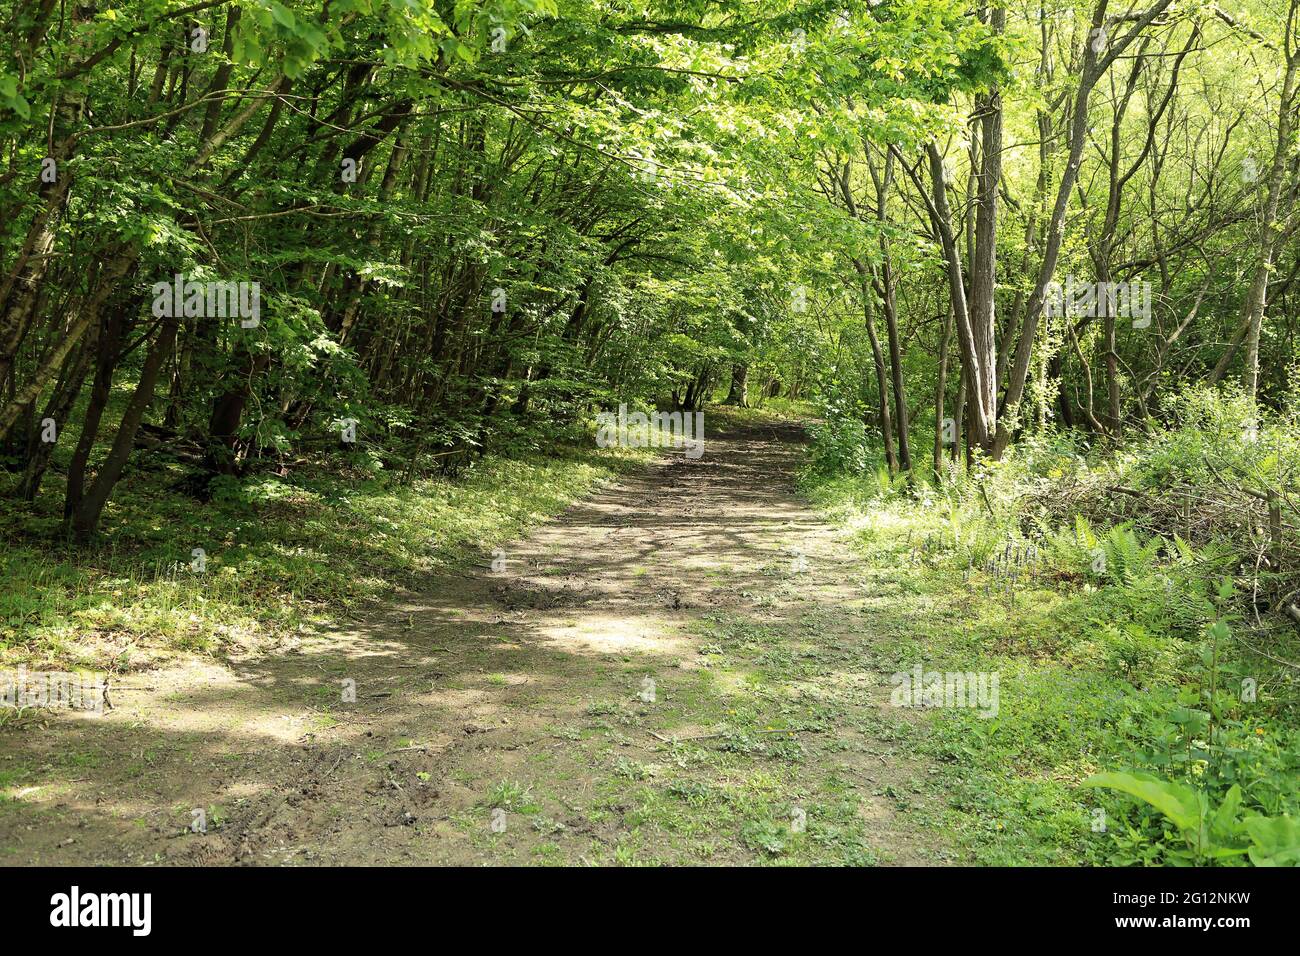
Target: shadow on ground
[676, 670]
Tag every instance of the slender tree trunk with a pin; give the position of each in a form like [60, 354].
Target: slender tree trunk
[56, 411]
[1271, 232]
[1094, 65]
[983, 306]
[85, 519]
[106, 363]
[940, 389]
[975, 362]
[878, 357]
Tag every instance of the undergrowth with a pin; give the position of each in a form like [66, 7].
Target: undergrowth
[1148, 707]
[266, 559]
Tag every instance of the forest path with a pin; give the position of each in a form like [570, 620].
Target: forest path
[696, 599]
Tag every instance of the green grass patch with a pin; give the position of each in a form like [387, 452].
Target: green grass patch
[266, 558]
[1106, 660]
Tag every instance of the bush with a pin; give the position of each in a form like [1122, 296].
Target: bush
[840, 447]
[1116, 573]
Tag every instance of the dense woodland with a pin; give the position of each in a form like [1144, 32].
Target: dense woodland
[472, 222]
[471, 226]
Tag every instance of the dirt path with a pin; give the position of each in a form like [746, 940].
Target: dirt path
[700, 600]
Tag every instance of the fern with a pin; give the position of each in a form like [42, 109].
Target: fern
[1128, 560]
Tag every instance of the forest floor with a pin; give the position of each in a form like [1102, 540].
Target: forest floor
[681, 668]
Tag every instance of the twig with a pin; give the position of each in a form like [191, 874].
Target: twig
[669, 740]
[331, 770]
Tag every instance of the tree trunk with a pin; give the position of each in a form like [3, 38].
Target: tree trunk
[1093, 68]
[739, 385]
[57, 409]
[1271, 233]
[106, 362]
[877, 356]
[940, 389]
[85, 520]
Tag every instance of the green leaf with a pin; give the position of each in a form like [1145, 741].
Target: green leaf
[1180, 803]
[283, 15]
[11, 98]
[1276, 841]
[1225, 818]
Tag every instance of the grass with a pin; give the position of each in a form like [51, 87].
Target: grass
[773, 741]
[760, 753]
[269, 558]
[1097, 665]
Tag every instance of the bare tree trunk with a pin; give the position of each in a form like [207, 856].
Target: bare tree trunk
[1271, 232]
[110, 342]
[940, 389]
[959, 417]
[85, 520]
[736, 394]
[975, 369]
[887, 288]
[877, 356]
[983, 317]
[1095, 64]
[56, 410]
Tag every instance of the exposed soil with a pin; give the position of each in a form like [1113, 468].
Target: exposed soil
[526, 690]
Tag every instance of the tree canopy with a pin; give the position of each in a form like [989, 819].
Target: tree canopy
[475, 223]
